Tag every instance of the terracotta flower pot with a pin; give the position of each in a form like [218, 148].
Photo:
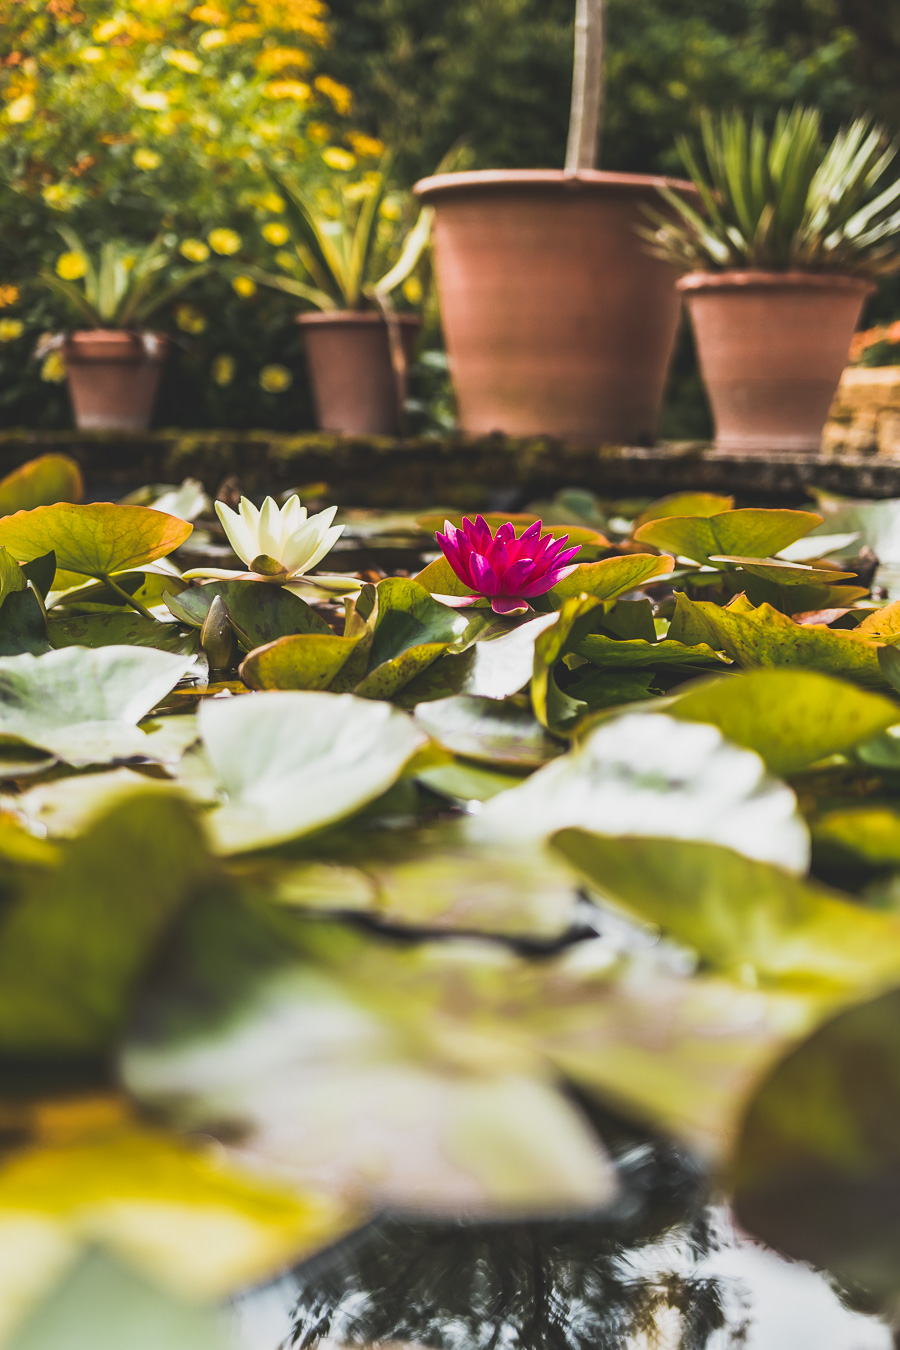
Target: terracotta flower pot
[772, 346]
[354, 384]
[558, 321]
[114, 377]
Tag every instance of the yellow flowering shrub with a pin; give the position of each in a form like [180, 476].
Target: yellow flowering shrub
[155, 116]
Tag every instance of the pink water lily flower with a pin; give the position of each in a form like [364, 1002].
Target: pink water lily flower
[505, 570]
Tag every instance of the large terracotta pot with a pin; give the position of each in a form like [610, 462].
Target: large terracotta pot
[557, 319]
[354, 382]
[772, 346]
[114, 377]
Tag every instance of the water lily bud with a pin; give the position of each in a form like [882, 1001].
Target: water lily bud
[217, 636]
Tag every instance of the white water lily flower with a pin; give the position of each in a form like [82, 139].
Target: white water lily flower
[280, 545]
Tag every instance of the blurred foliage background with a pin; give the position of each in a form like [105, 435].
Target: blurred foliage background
[119, 119]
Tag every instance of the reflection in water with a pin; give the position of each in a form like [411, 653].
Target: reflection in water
[586, 1285]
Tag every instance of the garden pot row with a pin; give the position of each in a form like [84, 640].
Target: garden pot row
[558, 321]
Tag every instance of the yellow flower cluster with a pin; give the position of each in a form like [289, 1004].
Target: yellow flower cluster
[224, 241]
[71, 266]
[9, 295]
[10, 329]
[194, 250]
[275, 379]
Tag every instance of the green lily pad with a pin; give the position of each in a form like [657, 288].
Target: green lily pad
[622, 653]
[740, 914]
[815, 1170]
[259, 612]
[868, 832]
[305, 661]
[135, 1312]
[789, 717]
[358, 1040]
[553, 708]
[41, 482]
[82, 705]
[125, 629]
[747, 533]
[491, 731]
[497, 663]
[71, 950]
[647, 774]
[787, 573]
[685, 504]
[96, 540]
[759, 638]
[611, 577]
[291, 763]
[410, 630]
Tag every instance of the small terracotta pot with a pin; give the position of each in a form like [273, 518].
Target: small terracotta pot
[355, 386]
[114, 377]
[772, 346]
[558, 320]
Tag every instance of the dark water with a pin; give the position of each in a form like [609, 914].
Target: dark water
[666, 1272]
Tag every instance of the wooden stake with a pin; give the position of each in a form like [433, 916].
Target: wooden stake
[583, 148]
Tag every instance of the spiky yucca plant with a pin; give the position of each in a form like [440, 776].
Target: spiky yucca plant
[123, 285]
[785, 200]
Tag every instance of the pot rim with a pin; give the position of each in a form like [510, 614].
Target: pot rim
[748, 279]
[114, 335]
[354, 316]
[441, 185]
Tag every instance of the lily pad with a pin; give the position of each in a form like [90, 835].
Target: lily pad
[647, 774]
[290, 763]
[553, 708]
[71, 951]
[815, 1170]
[259, 612]
[784, 573]
[348, 1082]
[745, 917]
[761, 637]
[685, 504]
[789, 717]
[746, 533]
[125, 629]
[612, 577]
[410, 630]
[41, 482]
[82, 705]
[96, 540]
[489, 730]
[622, 653]
[305, 661]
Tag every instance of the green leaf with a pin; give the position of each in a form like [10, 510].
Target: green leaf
[259, 612]
[749, 533]
[23, 627]
[125, 629]
[552, 707]
[623, 653]
[100, 1304]
[82, 705]
[685, 504]
[762, 638]
[786, 573]
[290, 763]
[789, 717]
[410, 630]
[871, 833]
[439, 578]
[364, 1029]
[497, 664]
[745, 917]
[41, 482]
[71, 951]
[814, 1173]
[646, 774]
[612, 577]
[307, 661]
[95, 540]
[492, 731]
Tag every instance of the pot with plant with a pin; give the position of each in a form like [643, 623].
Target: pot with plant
[557, 320]
[114, 363]
[782, 255]
[357, 346]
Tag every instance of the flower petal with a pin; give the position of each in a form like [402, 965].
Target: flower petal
[478, 534]
[518, 576]
[269, 535]
[237, 533]
[293, 515]
[547, 582]
[506, 604]
[483, 576]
